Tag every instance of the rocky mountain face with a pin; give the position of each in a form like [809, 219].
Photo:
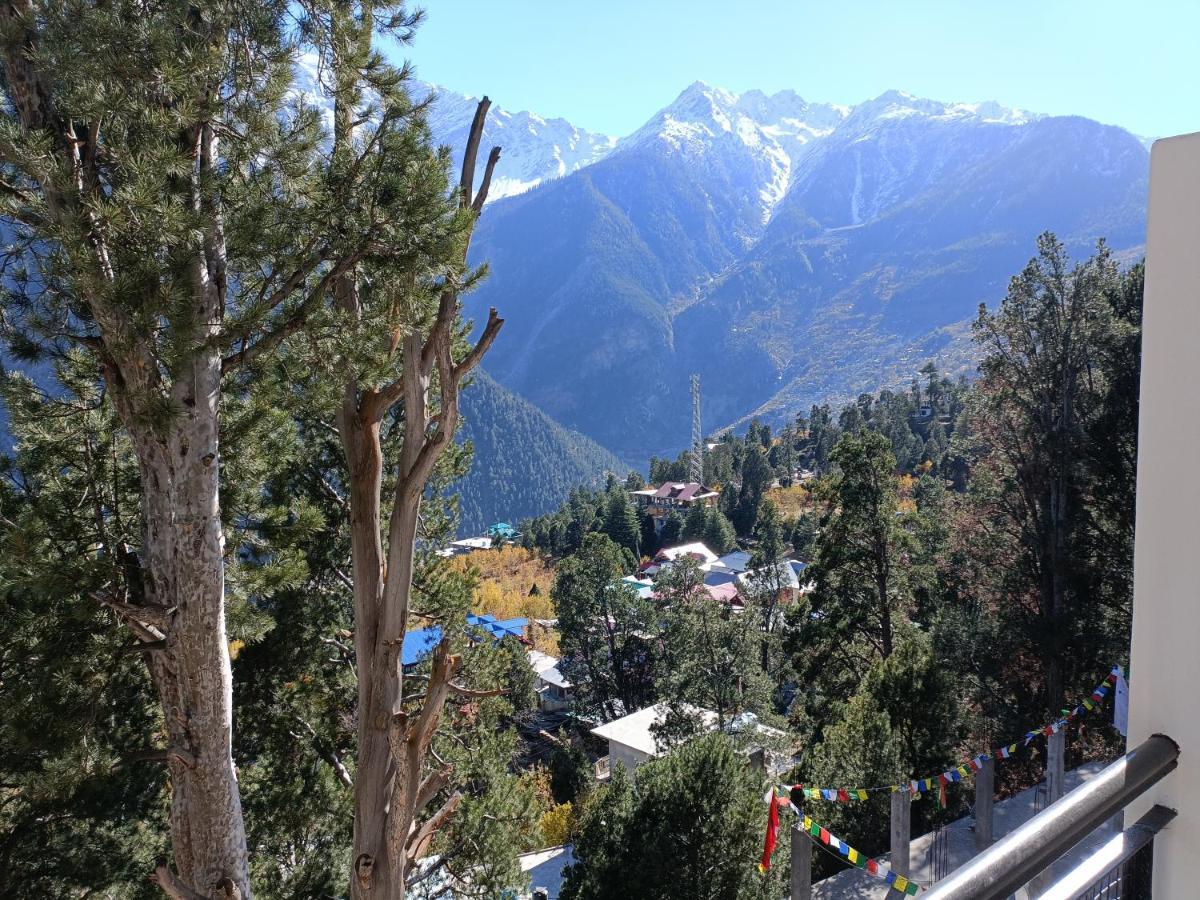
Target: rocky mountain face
[790, 252]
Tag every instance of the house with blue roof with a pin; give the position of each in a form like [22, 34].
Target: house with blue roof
[498, 628]
[502, 531]
[420, 642]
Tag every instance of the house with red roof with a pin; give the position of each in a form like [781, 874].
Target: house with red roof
[673, 496]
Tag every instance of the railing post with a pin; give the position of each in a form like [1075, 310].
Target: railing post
[985, 798]
[1034, 846]
[1055, 765]
[801, 861]
[901, 823]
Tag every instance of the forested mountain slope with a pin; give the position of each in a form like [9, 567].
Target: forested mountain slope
[525, 463]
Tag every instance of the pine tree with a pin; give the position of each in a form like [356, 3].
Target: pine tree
[694, 523]
[81, 813]
[690, 828]
[719, 535]
[177, 255]
[672, 530]
[864, 578]
[621, 523]
[603, 624]
[756, 478]
[1034, 399]
[770, 581]
[710, 650]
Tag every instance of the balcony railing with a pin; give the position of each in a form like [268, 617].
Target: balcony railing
[1120, 869]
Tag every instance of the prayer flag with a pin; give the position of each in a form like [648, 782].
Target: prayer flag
[842, 796]
[872, 867]
[772, 830]
[862, 795]
[1121, 706]
[824, 837]
[901, 883]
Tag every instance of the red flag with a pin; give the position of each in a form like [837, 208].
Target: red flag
[824, 837]
[772, 830]
[872, 867]
[843, 797]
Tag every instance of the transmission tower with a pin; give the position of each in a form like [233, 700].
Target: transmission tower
[697, 434]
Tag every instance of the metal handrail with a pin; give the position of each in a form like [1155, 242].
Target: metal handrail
[1112, 857]
[1030, 849]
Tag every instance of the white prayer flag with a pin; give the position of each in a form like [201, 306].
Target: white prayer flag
[1121, 706]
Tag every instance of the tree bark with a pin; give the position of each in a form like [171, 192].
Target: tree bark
[183, 557]
[184, 563]
[394, 785]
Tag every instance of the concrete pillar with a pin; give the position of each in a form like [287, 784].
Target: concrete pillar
[1056, 747]
[985, 798]
[801, 862]
[1166, 617]
[901, 825]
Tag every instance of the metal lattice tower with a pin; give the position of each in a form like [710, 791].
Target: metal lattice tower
[697, 434]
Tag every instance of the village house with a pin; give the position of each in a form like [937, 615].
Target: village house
[632, 740]
[463, 546]
[668, 555]
[554, 691]
[674, 496]
[419, 642]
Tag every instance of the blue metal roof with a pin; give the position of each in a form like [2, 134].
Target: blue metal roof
[420, 643]
[417, 644]
[497, 629]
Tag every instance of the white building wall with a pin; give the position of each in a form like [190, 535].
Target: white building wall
[621, 753]
[1165, 663]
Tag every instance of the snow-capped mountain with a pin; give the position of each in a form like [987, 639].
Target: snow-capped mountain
[790, 252]
[770, 134]
[534, 149]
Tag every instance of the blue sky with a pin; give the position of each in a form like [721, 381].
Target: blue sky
[608, 66]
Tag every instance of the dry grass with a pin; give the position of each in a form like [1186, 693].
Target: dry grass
[506, 577]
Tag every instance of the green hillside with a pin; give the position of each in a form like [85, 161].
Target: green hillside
[525, 463]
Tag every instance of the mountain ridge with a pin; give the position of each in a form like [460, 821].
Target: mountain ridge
[789, 252]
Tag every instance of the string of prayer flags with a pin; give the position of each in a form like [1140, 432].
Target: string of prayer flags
[950, 776]
[859, 859]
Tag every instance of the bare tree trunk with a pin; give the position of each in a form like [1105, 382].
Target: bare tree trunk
[184, 565]
[394, 784]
